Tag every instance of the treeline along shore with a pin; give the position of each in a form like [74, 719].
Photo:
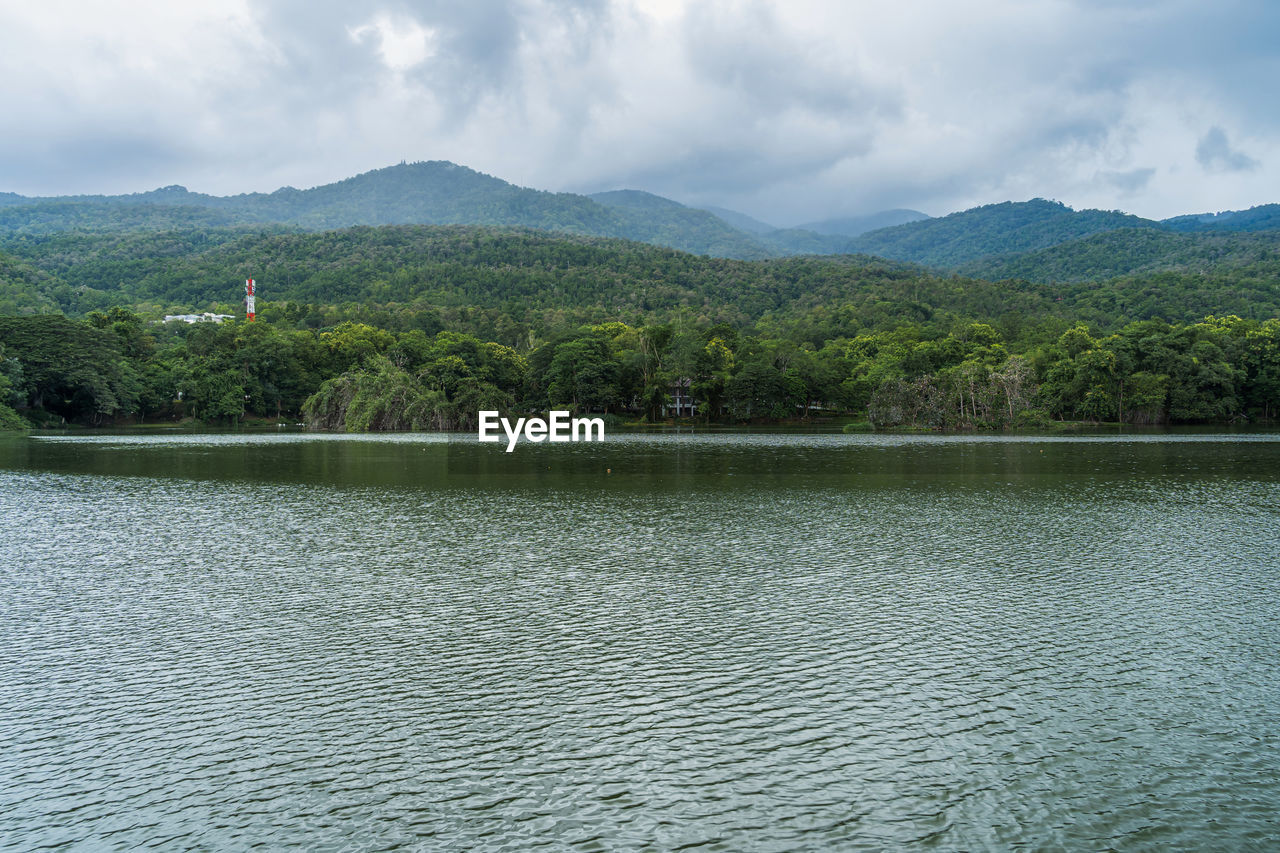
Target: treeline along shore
[414, 327]
[116, 367]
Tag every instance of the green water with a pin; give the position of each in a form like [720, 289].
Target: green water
[725, 642]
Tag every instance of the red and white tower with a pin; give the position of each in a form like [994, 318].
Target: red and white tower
[250, 289]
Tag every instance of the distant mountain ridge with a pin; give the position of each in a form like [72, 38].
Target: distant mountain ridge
[775, 242]
[427, 193]
[740, 220]
[855, 226]
[1263, 217]
[993, 229]
[660, 221]
[1039, 240]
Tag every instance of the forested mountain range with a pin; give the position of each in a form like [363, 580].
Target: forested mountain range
[994, 229]
[1048, 241]
[1038, 240]
[410, 193]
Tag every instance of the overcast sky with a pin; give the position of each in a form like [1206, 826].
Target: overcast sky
[789, 110]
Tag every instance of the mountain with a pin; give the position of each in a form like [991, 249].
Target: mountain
[741, 221]
[1038, 240]
[798, 241]
[436, 192]
[784, 241]
[430, 193]
[1263, 217]
[637, 200]
[993, 229]
[854, 226]
[653, 219]
[709, 229]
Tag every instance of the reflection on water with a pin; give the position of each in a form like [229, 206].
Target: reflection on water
[721, 643]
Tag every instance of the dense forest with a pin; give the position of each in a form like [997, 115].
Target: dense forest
[1139, 251]
[500, 283]
[115, 366]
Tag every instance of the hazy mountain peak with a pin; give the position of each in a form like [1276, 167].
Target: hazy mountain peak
[635, 200]
[853, 226]
[741, 221]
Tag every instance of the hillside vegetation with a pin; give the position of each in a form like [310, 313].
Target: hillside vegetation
[538, 280]
[1130, 251]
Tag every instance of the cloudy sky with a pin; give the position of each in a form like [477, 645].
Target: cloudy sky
[789, 110]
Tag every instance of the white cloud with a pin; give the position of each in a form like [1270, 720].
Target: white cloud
[402, 43]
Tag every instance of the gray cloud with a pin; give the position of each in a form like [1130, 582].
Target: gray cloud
[1128, 182]
[791, 110]
[1215, 154]
[746, 52]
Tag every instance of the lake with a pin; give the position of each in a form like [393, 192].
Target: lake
[684, 641]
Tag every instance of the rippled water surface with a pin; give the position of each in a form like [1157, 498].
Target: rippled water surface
[734, 642]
